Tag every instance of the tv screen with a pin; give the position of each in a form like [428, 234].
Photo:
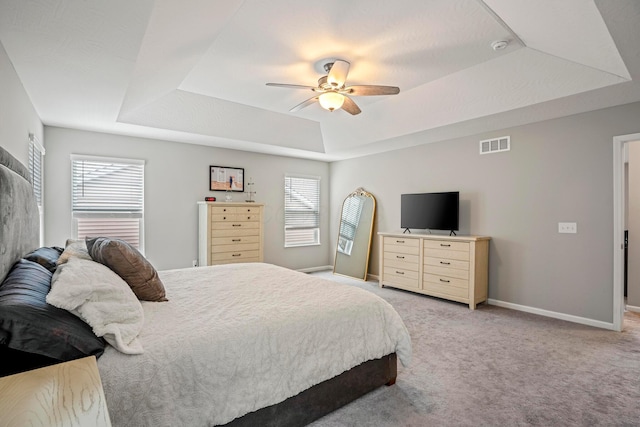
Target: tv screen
[430, 211]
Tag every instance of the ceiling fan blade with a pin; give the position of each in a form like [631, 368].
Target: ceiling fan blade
[304, 104]
[370, 90]
[291, 86]
[350, 107]
[338, 73]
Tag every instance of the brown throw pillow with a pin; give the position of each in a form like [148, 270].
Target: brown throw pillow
[128, 263]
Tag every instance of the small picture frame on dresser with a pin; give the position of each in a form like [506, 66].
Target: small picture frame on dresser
[226, 178]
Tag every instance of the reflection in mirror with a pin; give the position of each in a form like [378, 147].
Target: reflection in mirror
[354, 235]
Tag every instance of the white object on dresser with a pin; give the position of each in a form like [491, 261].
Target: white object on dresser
[450, 267]
[230, 232]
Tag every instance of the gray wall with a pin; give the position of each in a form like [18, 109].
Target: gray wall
[557, 171]
[176, 177]
[18, 118]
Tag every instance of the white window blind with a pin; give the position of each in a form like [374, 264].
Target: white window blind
[36, 154]
[36, 151]
[301, 211]
[107, 198]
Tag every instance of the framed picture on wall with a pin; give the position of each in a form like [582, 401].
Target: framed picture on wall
[225, 178]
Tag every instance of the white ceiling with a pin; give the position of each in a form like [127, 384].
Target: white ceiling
[195, 70]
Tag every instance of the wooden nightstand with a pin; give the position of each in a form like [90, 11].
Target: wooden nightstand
[65, 394]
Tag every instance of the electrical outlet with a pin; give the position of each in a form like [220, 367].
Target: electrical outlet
[194, 263]
[568, 227]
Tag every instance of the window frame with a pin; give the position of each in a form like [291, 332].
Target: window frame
[287, 226]
[77, 214]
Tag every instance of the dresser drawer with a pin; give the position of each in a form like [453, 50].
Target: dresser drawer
[452, 282]
[219, 210]
[446, 245]
[248, 210]
[235, 232]
[401, 263]
[233, 261]
[238, 256]
[447, 272]
[400, 272]
[234, 217]
[234, 225]
[401, 241]
[446, 253]
[395, 256]
[234, 239]
[446, 291]
[239, 247]
[400, 278]
[247, 217]
[444, 262]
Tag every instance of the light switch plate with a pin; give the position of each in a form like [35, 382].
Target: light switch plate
[568, 227]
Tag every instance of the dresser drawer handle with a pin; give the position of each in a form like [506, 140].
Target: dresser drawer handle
[399, 257]
[236, 240]
[236, 254]
[399, 241]
[445, 246]
[445, 281]
[399, 272]
[248, 217]
[224, 217]
[445, 263]
[236, 225]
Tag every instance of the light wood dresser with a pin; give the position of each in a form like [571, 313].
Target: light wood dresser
[62, 395]
[230, 232]
[451, 267]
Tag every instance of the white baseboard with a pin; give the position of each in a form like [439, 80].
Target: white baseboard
[632, 308]
[373, 277]
[555, 315]
[312, 269]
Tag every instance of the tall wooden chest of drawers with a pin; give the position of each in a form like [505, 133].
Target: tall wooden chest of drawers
[230, 232]
[450, 267]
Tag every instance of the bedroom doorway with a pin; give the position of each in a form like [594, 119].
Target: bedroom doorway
[620, 147]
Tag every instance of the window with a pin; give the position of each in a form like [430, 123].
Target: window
[36, 153]
[107, 198]
[301, 211]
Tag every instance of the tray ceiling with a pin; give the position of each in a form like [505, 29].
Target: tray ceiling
[195, 70]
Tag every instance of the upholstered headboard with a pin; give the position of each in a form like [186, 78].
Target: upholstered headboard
[20, 228]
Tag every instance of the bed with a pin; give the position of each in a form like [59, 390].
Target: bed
[238, 344]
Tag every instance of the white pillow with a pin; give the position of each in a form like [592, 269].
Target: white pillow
[74, 248]
[101, 298]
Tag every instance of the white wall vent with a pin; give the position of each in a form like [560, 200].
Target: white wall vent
[495, 145]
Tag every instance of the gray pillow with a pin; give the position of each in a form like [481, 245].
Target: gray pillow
[29, 324]
[46, 257]
[128, 263]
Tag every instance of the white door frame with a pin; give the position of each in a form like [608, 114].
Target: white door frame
[618, 226]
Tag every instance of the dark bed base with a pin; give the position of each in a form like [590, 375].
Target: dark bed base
[325, 397]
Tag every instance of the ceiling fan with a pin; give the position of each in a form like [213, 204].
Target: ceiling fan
[332, 94]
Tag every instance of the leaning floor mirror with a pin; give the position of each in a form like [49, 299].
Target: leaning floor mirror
[355, 234]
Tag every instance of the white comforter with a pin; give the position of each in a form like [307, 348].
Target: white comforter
[235, 338]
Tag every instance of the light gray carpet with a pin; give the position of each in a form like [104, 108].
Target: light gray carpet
[500, 367]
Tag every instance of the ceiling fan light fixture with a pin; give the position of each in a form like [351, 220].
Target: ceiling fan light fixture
[331, 100]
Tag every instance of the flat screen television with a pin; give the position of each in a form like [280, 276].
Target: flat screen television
[430, 211]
